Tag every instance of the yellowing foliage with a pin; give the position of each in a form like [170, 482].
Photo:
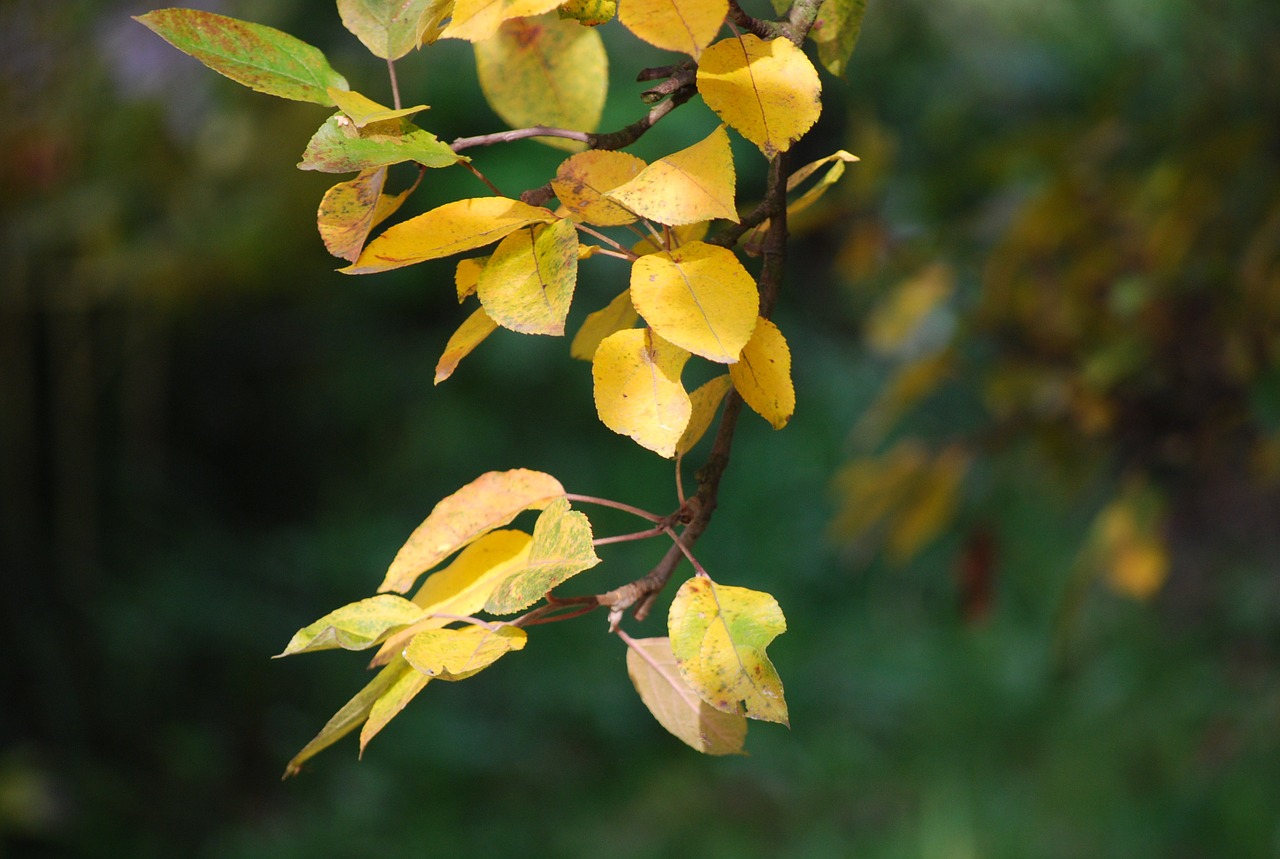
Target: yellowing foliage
[694, 184]
[679, 709]
[582, 181]
[763, 375]
[638, 391]
[477, 20]
[528, 283]
[469, 335]
[686, 26]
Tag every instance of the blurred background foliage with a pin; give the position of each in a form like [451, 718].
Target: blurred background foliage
[1024, 523]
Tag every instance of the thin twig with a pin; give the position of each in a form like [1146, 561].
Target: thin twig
[764, 29]
[616, 505]
[483, 178]
[395, 84]
[622, 251]
[634, 535]
[518, 134]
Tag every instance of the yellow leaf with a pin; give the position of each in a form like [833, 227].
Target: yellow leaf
[589, 13]
[837, 160]
[763, 375]
[694, 184]
[527, 285]
[687, 26]
[583, 179]
[391, 28]
[469, 335]
[363, 110]
[704, 402]
[617, 316]
[467, 274]
[836, 32]
[455, 227]
[347, 212]
[463, 587]
[357, 626]
[699, 297]
[545, 71]
[477, 20]
[638, 391]
[768, 92]
[561, 549]
[679, 709]
[456, 654]
[929, 507]
[871, 488]
[718, 635]
[405, 685]
[895, 321]
[675, 236]
[1126, 543]
[488, 502]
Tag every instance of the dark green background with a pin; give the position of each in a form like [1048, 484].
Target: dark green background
[211, 439]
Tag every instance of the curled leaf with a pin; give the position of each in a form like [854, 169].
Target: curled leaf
[469, 335]
[695, 184]
[705, 400]
[618, 315]
[456, 654]
[357, 626]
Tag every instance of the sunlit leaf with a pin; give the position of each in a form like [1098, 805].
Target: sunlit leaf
[391, 28]
[638, 392]
[469, 335]
[407, 683]
[589, 13]
[718, 635]
[340, 147]
[617, 316]
[679, 709]
[836, 31]
[694, 184]
[767, 91]
[686, 26]
[477, 20]
[699, 297]
[763, 375]
[363, 110]
[704, 402]
[545, 71]
[837, 160]
[357, 626]
[261, 58]
[347, 212]
[466, 276]
[488, 502]
[455, 227]
[561, 549]
[582, 181]
[456, 654]
[528, 283]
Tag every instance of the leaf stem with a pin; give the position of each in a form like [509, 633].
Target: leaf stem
[624, 252]
[634, 535]
[616, 505]
[395, 84]
[483, 178]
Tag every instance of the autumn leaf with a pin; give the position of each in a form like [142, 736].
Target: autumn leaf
[618, 315]
[703, 402]
[488, 502]
[362, 110]
[261, 58]
[545, 71]
[686, 26]
[836, 31]
[718, 635]
[767, 91]
[638, 392]
[1125, 544]
[405, 684]
[340, 147]
[582, 181]
[466, 276]
[469, 335]
[589, 13]
[837, 160]
[357, 626]
[477, 20]
[455, 227]
[456, 654]
[652, 668]
[347, 210]
[561, 549]
[698, 297]
[528, 283]
[391, 28]
[694, 184]
[763, 375]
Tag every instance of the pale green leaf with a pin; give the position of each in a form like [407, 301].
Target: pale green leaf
[836, 31]
[391, 28]
[406, 685]
[561, 549]
[528, 283]
[357, 626]
[340, 147]
[363, 110]
[456, 654]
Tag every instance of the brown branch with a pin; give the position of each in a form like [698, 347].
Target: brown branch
[801, 19]
[678, 88]
[517, 134]
[764, 29]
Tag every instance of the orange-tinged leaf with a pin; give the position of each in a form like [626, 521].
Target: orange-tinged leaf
[477, 20]
[347, 211]
[582, 180]
[467, 275]
[357, 626]
[1126, 545]
[699, 297]
[561, 548]
[718, 635]
[340, 147]
[488, 502]
[763, 375]
[638, 392]
[363, 110]
[455, 227]
[528, 283]
[619, 315]
[391, 28]
[261, 58]
[652, 668]
[767, 91]
[704, 402]
[694, 184]
[545, 71]
[686, 26]
[456, 654]
[405, 685]
[463, 587]
[469, 335]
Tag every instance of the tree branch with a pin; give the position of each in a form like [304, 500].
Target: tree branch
[764, 29]
[517, 134]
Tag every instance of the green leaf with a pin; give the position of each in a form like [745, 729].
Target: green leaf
[719, 634]
[357, 626]
[341, 147]
[679, 709]
[456, 654]
[561, 549]
[391, 28]
[261, 58]
[836, 32]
